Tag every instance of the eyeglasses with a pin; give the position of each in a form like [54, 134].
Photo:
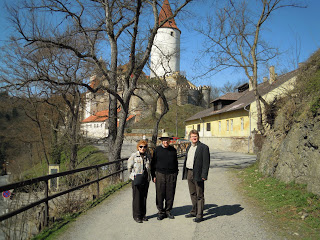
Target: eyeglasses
[143, 147]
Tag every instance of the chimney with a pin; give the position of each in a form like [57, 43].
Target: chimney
[272, 75]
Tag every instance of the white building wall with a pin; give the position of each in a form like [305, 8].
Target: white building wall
[95, 130]
[87, 111]
[165, 52]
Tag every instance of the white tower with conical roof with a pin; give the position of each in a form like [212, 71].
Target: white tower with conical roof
[165, 52]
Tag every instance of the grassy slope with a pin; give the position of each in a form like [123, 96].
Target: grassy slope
[289, 208]
[87, 156]
[168, 122]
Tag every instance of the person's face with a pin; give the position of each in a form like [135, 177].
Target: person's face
[142, 148]
[194, 138]
[165, 142]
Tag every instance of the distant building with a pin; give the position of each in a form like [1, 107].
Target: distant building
[165, 52]
[232, 119]
[165, 62]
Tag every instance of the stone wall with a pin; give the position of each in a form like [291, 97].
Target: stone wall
[232, 144]
[292, 154]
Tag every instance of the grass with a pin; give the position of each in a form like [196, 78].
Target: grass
[176, 114]
[61, 225]
[88, 155]
[295, 210]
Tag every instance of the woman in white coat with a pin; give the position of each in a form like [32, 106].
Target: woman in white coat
[139, 163]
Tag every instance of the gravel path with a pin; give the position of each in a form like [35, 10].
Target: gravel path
[227, 216]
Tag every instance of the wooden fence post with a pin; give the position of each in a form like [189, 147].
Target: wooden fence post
[122, 172]
[98, 188]
[46, 209]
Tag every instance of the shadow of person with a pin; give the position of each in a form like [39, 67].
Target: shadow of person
[176, 211]
[210, 211]
[183, 210]
[213, 211]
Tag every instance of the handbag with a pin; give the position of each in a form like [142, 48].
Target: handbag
[140, 179]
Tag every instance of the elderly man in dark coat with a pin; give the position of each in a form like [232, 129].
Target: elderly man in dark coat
[195, 170]
[164, 171]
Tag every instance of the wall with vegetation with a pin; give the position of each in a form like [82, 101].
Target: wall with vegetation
[290, 151]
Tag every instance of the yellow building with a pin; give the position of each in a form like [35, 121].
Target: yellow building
[231, 122]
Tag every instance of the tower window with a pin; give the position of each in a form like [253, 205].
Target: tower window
[171, 33]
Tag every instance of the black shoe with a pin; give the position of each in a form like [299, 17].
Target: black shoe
[160, 217]
[190, 215]
[138, 220]
[197, 220]
[145, 219]
[169, 215]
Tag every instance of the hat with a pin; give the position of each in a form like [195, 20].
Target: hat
[164, 135]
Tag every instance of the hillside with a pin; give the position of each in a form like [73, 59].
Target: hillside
[290, 151]
[175, 117]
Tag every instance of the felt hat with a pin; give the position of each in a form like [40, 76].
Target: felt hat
[165, 135]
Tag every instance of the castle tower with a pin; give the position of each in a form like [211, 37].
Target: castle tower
[205, 90]
[182, 97]
[165, 52]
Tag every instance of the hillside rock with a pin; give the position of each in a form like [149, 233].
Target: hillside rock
[292, 154]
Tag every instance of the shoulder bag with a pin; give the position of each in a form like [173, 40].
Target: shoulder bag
[141, 179]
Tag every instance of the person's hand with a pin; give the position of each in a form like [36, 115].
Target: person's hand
[154, 179]
[204, 179]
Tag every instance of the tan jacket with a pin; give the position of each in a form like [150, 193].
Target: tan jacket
[135, 165]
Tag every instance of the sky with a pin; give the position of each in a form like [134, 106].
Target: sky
[283, 30]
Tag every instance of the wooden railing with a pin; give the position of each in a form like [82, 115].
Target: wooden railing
[46, 179]
[181, 149]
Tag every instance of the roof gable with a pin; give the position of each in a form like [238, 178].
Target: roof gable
[102, 116]
[247, 97]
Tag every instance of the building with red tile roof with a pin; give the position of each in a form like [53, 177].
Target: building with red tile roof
[96, 125]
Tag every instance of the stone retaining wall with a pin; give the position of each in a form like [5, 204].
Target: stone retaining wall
[235, 144]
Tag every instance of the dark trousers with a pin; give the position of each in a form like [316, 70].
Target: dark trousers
[139, 200]
[196, 190]
[165, 190]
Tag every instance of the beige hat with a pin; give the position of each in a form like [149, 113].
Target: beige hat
[164, 135]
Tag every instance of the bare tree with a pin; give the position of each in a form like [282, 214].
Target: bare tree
[109, 31]
[38, 72]
[233, 40]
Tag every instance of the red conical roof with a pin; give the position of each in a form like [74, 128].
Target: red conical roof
[165, 13]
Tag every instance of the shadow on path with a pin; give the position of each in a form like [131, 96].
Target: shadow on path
[210, 211]
[213, 210]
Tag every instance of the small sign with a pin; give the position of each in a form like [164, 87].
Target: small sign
[6, 194]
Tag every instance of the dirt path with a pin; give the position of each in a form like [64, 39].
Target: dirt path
[227, 216]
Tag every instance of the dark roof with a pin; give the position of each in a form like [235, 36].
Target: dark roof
[247, 97]
[229, 96]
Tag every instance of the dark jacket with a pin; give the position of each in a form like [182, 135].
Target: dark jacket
[164, 160]
[201, 163]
